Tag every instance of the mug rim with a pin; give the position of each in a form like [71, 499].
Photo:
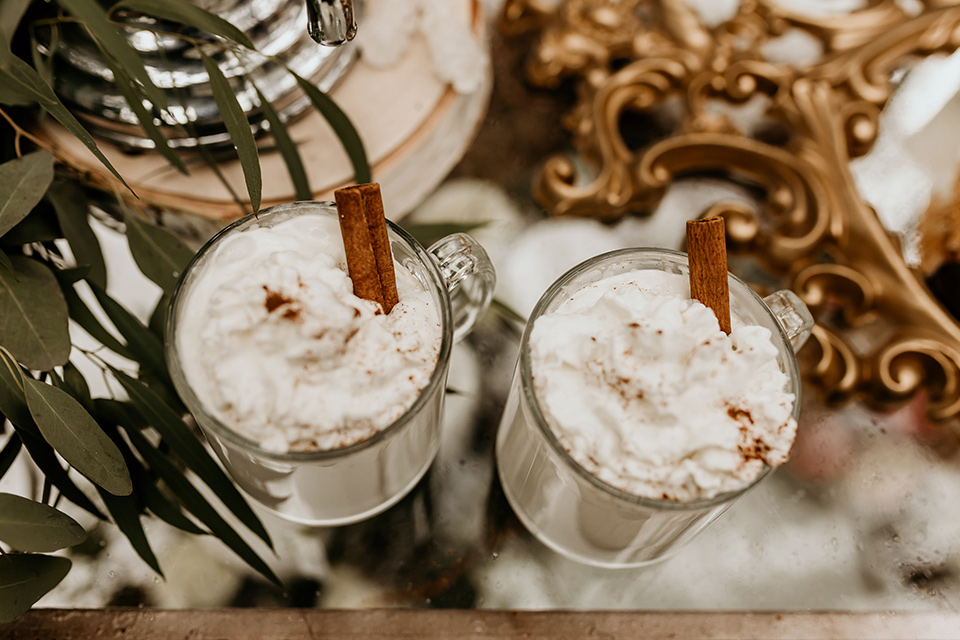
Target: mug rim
[526, 381]
[195, 405]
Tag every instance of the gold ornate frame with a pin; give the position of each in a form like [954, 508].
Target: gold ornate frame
[812, 227]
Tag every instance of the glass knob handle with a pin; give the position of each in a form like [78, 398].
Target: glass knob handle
[331, 22]
[792, 314]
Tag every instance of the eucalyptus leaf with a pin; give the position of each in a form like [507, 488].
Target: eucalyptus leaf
[10, 97]
[25, 578]
[342, 126]
[33, 315]
[11, 12]
[42, 56]
[117, 413]
[39, 226]
[288, 150]
[166, 510]
[112, 39]
[25, 81]
[83, 316]
[125, 84]
[45, 458]
[13, 404]
[163, 387]
[126, 515]
[158, 317]
[30, 526]
[70, 204]
[198, 505]
[210, 160]
[9, 453]
[76, 436]
[145, 347]
[161, 256]
[5, 262]
[71, 275]
[147, 484]
[429, 232]
[77, 385]
[189, 14]
[239, 129]
[23, 181]
[185, 444]
[13, 399]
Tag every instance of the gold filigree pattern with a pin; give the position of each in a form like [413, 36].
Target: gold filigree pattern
[810, 225]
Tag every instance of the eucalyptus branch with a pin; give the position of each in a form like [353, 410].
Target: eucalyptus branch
[20, 132]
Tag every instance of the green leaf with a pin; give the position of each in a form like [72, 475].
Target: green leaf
[145, 347]
[76, 385]
[185, 444]
[71, 275]
[160, 506]
[158, 318]
[126, 514]
[70, 204]
[13, 399]
[116, 413]
[5, 262]
[125, 84]
[23, 181]
[161, 256]
[77, 437]
[11, 12]
[45, 458]
[287, 148]
[342, 126]
[13, 404]
[239, 129]
[429, 232]
[33, 315]
[195, 502]
[25, 578]
[42, 56]
[30, 526]
[189, 14]
[114, 42]
[9, 453]
[163, 387]
[25, 81]
[81, 314]
[39, 226]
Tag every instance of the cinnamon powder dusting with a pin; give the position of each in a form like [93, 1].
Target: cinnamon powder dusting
[275, 300]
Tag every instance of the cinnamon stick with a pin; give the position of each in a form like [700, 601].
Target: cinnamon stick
[376, 223]
[361, 262]
[707, 253]
[367, 245]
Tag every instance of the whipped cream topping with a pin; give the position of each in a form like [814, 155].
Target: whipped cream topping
[276, 345]
[645, 391]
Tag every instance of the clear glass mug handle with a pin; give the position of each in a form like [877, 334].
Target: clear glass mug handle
[792, 314]
[470, 278]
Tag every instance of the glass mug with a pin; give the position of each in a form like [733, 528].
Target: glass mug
[571, 510]
[347, 484]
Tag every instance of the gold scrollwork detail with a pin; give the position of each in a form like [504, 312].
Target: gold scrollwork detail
[909, 363]
[810, 225]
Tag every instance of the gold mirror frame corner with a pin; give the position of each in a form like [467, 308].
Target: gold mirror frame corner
[639, 54]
